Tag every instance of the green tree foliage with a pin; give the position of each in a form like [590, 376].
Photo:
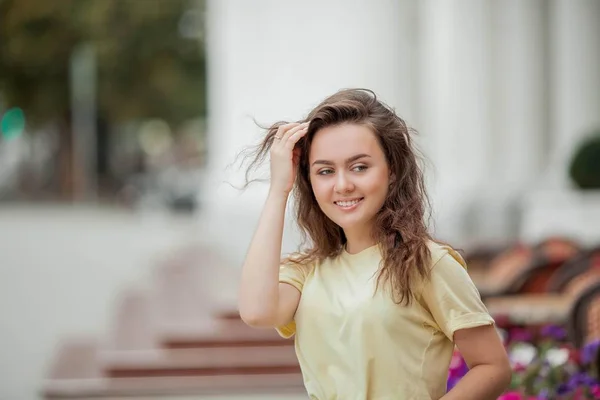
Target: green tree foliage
[146, 68]
[584, 168]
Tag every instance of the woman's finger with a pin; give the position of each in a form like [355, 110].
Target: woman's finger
[295, 137]
[283, 129]
[292, 131]
[282, 137]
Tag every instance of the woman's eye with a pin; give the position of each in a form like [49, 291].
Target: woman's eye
[359, 168]
[325, 172]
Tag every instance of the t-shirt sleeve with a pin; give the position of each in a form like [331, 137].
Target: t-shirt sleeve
[452, 298]
[295, 275]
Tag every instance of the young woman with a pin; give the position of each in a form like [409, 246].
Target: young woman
[376, 306]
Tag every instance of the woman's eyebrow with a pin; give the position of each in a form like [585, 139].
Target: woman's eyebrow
[348, 161]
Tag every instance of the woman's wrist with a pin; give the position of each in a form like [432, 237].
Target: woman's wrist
[278, 195]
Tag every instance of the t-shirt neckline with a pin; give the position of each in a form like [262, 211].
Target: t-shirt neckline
[365, 251]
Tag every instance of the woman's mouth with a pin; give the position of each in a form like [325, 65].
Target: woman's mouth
[347, 205]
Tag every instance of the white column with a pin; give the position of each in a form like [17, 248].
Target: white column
[574, 111]
[454, 105]
[274, 60]
[575, 79]
[520, 79]
[519, 113]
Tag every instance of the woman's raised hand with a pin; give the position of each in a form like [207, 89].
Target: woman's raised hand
[284, 158]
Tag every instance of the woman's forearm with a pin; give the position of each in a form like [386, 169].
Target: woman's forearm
[482, 382]
[258, 301]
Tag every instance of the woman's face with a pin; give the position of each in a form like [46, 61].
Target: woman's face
[349, 175]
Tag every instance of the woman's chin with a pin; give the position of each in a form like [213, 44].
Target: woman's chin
[350, 221]
[350, 224]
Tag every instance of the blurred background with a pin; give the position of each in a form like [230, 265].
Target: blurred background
[122, 230]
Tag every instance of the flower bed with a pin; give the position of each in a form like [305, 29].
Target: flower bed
[545, 366]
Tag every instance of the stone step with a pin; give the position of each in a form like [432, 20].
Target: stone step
[77, 373]
[139, 326]
[134, 349]
[194, 297]
[178, 337]
[218, 334]
[200, 362]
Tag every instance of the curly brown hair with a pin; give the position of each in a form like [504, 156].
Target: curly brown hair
[400, 226]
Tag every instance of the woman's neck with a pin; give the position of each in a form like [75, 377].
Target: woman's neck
[357, 241]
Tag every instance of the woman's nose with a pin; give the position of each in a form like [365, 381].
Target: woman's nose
[343, 184]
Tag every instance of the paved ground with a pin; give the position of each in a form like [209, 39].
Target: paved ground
[61, 268]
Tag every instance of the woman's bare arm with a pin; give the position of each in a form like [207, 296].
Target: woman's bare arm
[263, 301]
[489, 369]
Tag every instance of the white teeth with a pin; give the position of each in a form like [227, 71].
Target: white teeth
[347, 203]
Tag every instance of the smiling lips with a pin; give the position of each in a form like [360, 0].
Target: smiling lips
[348, 204]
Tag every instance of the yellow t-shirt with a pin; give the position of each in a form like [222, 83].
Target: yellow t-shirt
[352, 345]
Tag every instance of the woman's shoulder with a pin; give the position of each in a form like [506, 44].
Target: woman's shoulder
[448, 269]
[301, 261]
[442, 251]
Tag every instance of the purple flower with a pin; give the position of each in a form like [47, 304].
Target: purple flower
[520, 335]
[554, 331]
[452, 381]
[564, 388]
[589, 351]
[581, 379]
[544, 394]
